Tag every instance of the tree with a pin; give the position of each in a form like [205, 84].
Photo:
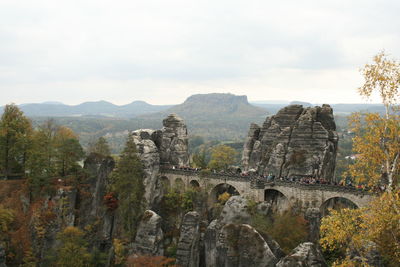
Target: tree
[200, 159]
[15, 130]
[221, 157]
[127, 183]
[69, 151]
[377, 138]
[100, 147]
[73, 250]
[352, 229]
[6, 218]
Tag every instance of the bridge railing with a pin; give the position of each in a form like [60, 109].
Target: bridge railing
[260, 183]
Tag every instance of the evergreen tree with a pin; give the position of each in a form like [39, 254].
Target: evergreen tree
[127, 183]
[15, 131]
[69, 151]
[100, 147]
[73, 250]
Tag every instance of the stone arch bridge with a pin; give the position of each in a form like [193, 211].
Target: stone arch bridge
[305, 195]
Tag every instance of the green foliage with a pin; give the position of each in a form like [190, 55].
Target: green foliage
[288, 229]
[68, 151]
[127, 183]
[222, 156]
[73, 250]
[15, 132]
[6, 218]
[100, 147]
[200, 159]
[175, 201]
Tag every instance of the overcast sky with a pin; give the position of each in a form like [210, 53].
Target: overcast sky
[163, 51]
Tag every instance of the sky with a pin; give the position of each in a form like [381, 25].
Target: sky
[164, 51]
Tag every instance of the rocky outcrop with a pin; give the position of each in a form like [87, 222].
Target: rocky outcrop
[313, 216]
[231, 241]
[150, 157]
[295, 142]
[149, 236]
[173, 143]
[235, 211]
[92, 207]
[187, 254]
[241, 245]
[156, 147]
[305, 254]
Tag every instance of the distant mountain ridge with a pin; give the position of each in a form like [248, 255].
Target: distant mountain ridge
[96, 108]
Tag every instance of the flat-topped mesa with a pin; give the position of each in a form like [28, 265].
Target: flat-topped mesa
[296, 142]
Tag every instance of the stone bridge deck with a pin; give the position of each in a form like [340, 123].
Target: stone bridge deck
[307, 195]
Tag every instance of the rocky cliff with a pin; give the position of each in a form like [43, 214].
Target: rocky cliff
[168, 146]
[296, 142]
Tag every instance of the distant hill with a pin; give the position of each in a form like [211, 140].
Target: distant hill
[214, 116]
[98, 108]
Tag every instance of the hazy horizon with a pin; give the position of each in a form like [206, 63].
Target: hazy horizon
[163, 52]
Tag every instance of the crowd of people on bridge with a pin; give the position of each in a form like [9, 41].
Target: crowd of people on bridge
[270, 178]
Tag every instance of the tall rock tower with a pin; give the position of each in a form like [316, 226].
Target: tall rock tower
[296, 142]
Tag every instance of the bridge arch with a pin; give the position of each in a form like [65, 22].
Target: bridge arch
[277, 200]
[336, 203]
[221, 188]
[194, 184]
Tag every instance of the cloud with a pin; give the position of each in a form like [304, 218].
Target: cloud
[163, 51]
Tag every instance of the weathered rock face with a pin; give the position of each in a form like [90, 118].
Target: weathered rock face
[241, 245]
[187, 254]
[149, 235]
[313, 216]
[92, 208]
[231, 241]
[305, 254]
[174, 141]
[150, 157]
[295, 142]
[166, 146]
[235, 211]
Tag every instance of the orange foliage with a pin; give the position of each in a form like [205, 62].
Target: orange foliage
[111, 201]
[150, 261]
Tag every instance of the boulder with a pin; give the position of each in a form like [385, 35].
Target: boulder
[187, 254]
[242, 246]
[231, 241]
[306, 254]
[235, 211]
[295, 142]
[149, 235]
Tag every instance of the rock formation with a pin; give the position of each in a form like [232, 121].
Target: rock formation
[305, 254]
[156, 147]
[187, 254]
[295, 142]
[149, 235]
[174, 142]
[231, 241]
